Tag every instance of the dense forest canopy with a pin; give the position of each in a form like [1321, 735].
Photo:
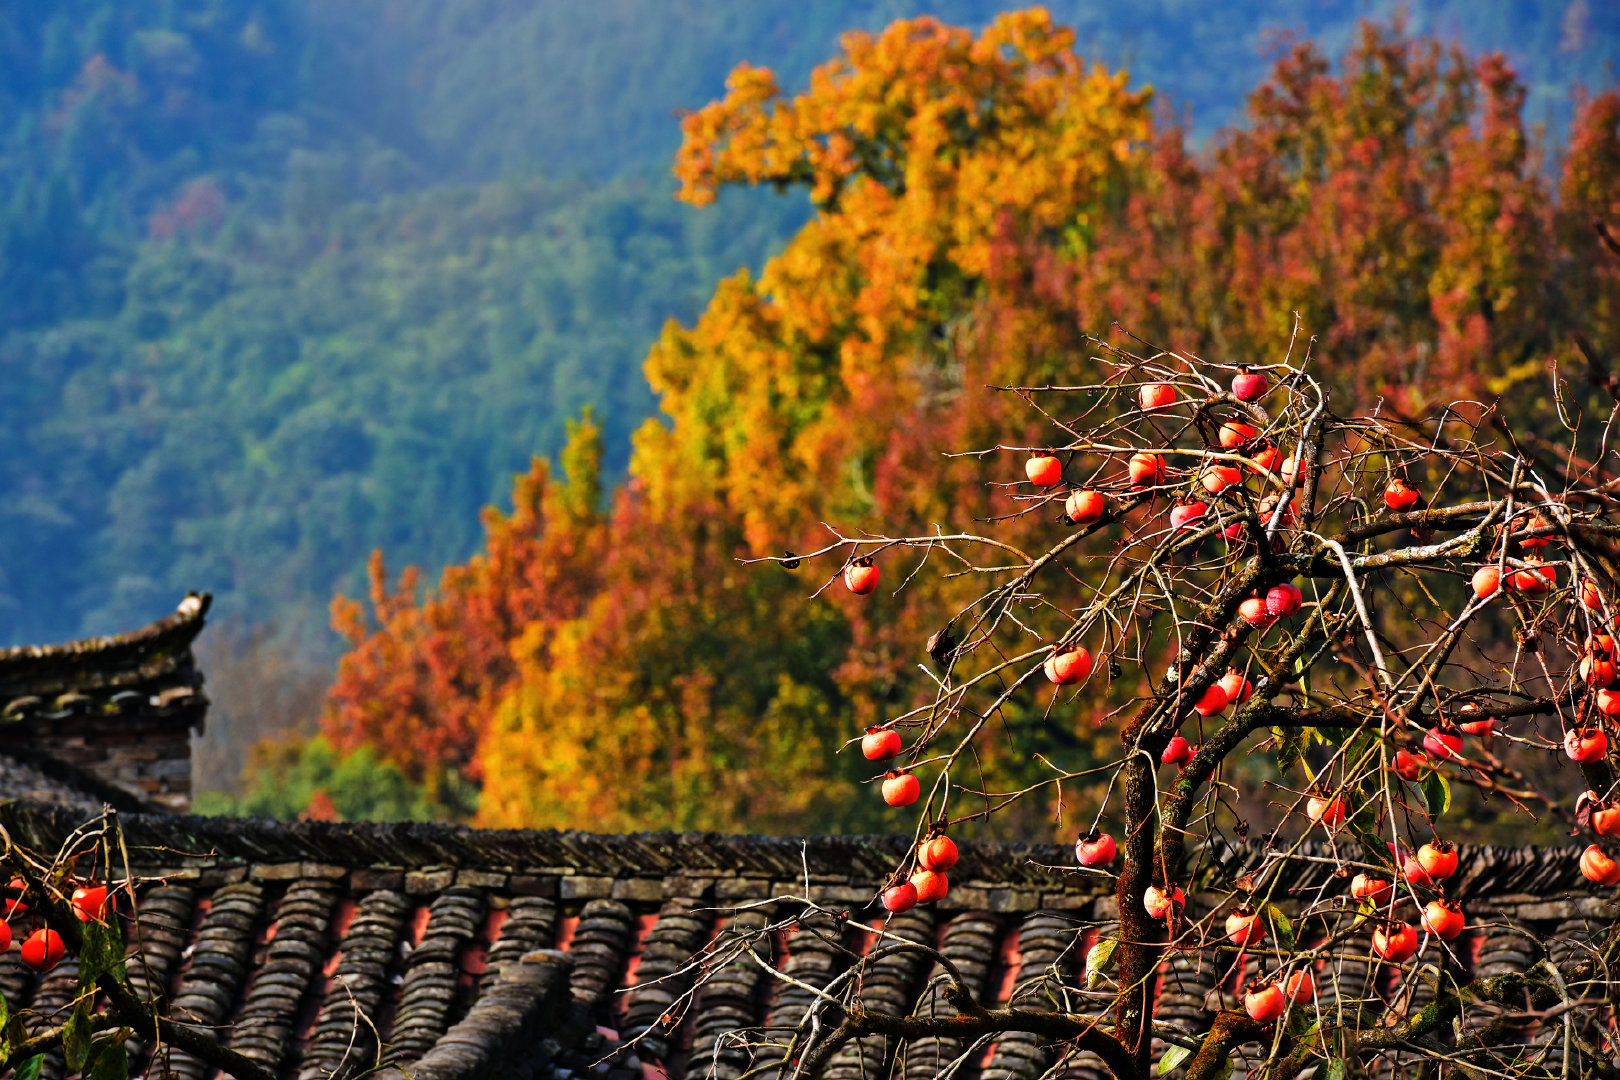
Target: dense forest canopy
[280, 284]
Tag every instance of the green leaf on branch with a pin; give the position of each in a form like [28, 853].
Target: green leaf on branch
[14, 1034]
[103, 953]
[1174, 1056]
[76, 1036]
[109, 1060]
[1372, 845]
[1334, 1070]
[29, 1070]
[1281, 928]
[1436, 794]
[1353, 745]
[1100, 961]
[1291, 744]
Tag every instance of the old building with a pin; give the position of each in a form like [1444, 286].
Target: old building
[110, 717]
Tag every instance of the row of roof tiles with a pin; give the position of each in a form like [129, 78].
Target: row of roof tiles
[445, 851]
[454, 953]
[313, 982]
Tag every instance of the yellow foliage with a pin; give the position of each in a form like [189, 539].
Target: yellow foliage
[922, 147]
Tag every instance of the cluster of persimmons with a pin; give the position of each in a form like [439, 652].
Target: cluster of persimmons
[43, 948]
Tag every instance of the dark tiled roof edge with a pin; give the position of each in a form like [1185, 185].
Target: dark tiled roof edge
[173, 840]
[417, 845]
[106, 661]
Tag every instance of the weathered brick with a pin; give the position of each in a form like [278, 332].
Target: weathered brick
[742, 888]
[584, 887]
[371, 880]
[638, 889]
[1066, 901]
[1013, 899]
[965, 898]
[840, 895]
[533, 885]
[1567, 907]
[481, 879]
[681, 885]
[422, 882]
[1105, 909]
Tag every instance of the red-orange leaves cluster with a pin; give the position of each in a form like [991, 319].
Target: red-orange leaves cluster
[1394, 204]
[1589, 194]
[421, 682]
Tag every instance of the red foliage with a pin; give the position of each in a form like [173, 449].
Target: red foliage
[321, 808]
[421, 682]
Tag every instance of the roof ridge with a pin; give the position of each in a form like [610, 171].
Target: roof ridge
[867, 859]
[158, 646]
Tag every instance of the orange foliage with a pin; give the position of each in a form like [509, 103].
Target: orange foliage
[419, 684]
[647, 711]
[920, 147]
[321, 808]
[983, 202]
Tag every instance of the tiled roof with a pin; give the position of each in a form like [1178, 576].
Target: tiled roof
[446, 953]
[119, 709]
[104, 666]
[459, 953]
[41, 777]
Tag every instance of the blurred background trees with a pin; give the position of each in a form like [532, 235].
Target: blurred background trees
[283, 286]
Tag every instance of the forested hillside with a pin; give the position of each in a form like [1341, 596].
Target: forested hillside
[270, 401]
[280, 284]
[284, 284]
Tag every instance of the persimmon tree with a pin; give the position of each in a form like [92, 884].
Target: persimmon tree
[79, 903]
[1320, 624]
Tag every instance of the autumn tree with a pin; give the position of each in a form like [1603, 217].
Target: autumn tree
[982, 204]
[423, 673]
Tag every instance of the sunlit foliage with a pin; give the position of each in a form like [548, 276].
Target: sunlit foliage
[983, 203]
